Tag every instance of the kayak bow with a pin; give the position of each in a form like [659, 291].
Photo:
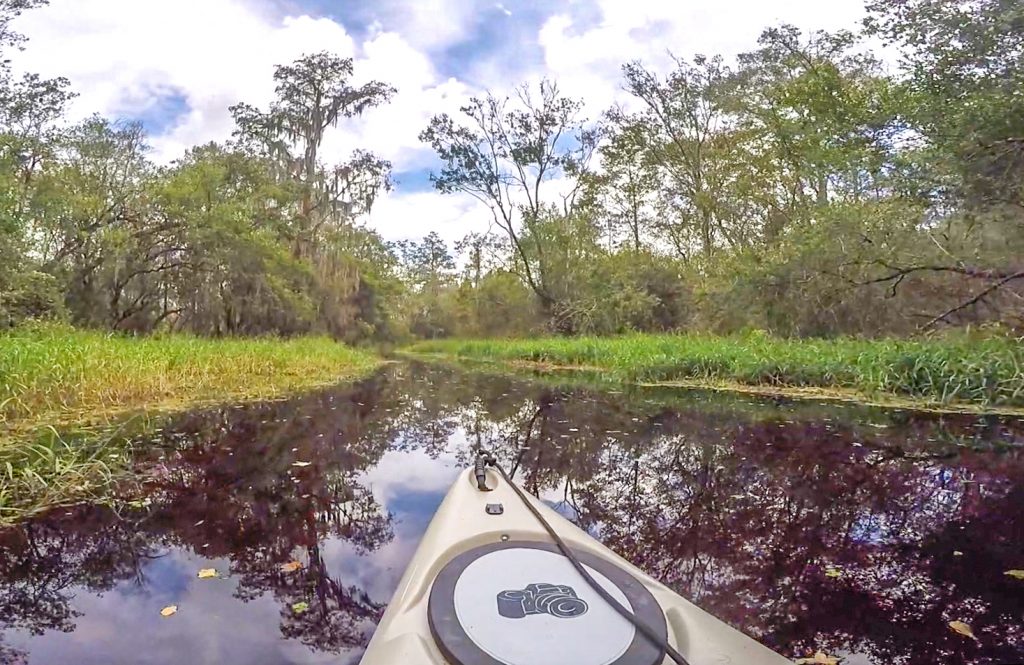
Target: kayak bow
[490, 585]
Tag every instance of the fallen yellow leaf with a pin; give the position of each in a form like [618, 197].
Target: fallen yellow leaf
[819, 658]
[962, 628]
[169, 610]
[300, 464]
[300, 607]
[833, 572]
[291, 566]
[206, 573]
[1018, 574]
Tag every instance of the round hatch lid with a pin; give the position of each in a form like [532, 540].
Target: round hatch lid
[523, 603]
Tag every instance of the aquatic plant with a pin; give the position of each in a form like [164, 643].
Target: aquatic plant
[960, 369]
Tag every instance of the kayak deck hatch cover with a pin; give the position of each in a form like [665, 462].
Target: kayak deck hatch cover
[489, 585]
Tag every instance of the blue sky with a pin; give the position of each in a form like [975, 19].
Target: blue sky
[176, 65]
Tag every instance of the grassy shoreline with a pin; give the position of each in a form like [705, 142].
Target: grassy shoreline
[958, 372]
[53, 375]
[66, 396]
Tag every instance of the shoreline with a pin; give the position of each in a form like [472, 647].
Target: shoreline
[72, 402]
[612, 377]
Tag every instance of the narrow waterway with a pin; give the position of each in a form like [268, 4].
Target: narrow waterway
[811, 526]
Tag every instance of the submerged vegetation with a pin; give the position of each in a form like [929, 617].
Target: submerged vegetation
[953, 370]
[46, 468]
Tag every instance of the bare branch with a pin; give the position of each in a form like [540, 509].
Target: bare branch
[977, 298]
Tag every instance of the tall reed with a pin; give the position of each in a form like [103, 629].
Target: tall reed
[957, 369]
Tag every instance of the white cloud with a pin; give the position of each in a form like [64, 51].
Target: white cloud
[392, 131]
[588, 62]
[429, 25]
[401, 216]
[405, 472]
[122, 55]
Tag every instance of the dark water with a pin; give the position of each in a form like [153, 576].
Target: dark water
[855, 531]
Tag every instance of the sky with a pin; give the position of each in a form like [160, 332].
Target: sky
[177, 65]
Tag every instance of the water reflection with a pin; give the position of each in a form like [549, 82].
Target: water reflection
[810, 526]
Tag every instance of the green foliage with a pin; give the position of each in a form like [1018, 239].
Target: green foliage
[965, 70]
[498, 305]
[30, 296]
[803, 190]
[54, 374]
[56, 377]
[45, 469]
[504, 152]
[228, 240]
[987, 371]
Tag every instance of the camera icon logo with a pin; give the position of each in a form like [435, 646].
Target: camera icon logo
[557, 600]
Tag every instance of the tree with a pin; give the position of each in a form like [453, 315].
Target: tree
[507, 154]
[624, 189]
[428, 264]
[313, 94]
[823, 112]
[686, 138]
[429, 271]
[95, 228]
[30, 108]
[964, 65]
[29, 112]
[483, 252]
[231, 216]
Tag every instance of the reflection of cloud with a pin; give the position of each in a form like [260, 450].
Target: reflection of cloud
[400, 472]
[410, 485]
[211, 626]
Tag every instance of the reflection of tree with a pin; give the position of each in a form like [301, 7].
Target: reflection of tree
[41, 563]
[338, 616]
[743, 505]
[11, 656]
[748, 522]
[261, 485]
[747, 511]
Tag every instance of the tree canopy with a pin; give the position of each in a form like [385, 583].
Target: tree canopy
[801, 187]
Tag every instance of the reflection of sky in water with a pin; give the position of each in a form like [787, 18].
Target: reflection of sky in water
[211, 626]
[409, 485]
[939, 494]
[740, 504]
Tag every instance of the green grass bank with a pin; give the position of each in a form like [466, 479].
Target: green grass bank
[952, 371]
[65, 398]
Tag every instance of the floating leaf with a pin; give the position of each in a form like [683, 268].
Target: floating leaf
[832, 571]
[169, 610]
[300, 607]
[1018, 574]
[301, 463]
[962, 628]
[819, 658]
[291, 566]
[207, 573]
